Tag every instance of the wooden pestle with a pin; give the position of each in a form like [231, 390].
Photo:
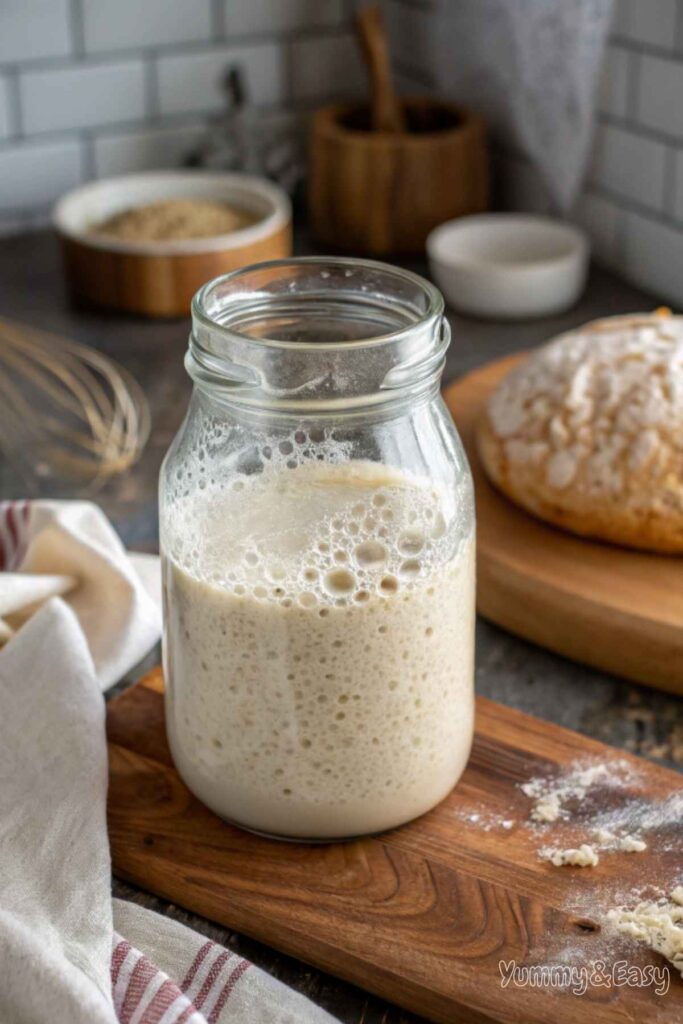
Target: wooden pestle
[387, 114]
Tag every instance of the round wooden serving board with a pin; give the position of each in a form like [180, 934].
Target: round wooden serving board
[612, 608]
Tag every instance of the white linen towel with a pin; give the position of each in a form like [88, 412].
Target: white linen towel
[531, 68]
[78, 617]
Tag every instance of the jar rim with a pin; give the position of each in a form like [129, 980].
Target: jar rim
[433, 312]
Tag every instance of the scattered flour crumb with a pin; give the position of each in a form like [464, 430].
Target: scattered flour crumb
[631, 844]
[658, 923]
[628, 843]
[551, 795]
[547, 808]
[604, 836]
[583, 857]
[638, 815]
[593, 828]
[484, 819]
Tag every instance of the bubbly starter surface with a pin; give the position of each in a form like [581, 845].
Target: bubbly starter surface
[319, 649]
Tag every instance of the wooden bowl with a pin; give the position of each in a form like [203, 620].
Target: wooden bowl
[382, 192]
[159, 278]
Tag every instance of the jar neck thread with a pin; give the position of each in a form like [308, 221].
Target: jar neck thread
[317, 336]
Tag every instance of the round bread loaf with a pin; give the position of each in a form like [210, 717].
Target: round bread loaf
[587, 433]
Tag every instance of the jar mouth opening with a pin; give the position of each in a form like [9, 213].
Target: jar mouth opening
[348, 304]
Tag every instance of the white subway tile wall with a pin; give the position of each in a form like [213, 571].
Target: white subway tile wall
[600, 218]
[269, 16]
[194, 82]
[652, 255]
[33, 174]
[618, 71]
[97, 87]
[84, 96]
[31, 29]
[659, 96]
[410, 34]
[630, 165]
[652, 22]
[145, 149]
[632, 202]
[678, 187]
[130, 24]
[90, 88]
[325, 68]
[5, 126]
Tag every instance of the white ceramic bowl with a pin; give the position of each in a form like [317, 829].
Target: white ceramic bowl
[79, 211]
[508, 266]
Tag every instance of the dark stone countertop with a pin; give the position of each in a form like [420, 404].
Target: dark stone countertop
[508, 669]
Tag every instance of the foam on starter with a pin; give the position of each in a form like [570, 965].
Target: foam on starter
[319, 647]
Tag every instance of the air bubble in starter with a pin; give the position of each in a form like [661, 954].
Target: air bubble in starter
[370, 552]
[340, 582]
[411, 542]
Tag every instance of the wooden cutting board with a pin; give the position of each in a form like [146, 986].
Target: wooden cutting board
[612, 608]
[422, 915]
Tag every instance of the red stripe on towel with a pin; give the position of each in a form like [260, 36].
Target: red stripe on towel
[14, 535]
[211, 979]
[23, 525]
[242, 966]
[196, 964]
[165, 997]
[118, 956]
[185, 1015]
[142, 974]
[14, 519]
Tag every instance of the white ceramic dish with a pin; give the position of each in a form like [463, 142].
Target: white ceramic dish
[79, 211]
[508, 266]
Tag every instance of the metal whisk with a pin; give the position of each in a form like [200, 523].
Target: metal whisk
[67, 412]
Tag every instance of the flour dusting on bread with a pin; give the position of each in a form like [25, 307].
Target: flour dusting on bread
[588, 432]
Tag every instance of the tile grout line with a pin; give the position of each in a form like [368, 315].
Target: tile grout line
[88, 161]
[632, 206]
[218, 21]
[678, 30]
[421, 75]
[669, 184]
[189, 48]
[151, 86]
[639, 129]
[288, 71]
[649, 49]
[14, 106]
[76, 28]
[633, 86]
[171, 119]
[417, 5]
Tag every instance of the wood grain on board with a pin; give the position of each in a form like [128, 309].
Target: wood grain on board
[609, 607]
[421, 915]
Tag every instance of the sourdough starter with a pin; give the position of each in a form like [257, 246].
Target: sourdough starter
[319, 648]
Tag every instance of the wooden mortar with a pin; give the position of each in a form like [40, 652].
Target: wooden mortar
[383, 192]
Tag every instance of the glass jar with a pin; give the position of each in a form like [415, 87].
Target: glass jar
[317, 536]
